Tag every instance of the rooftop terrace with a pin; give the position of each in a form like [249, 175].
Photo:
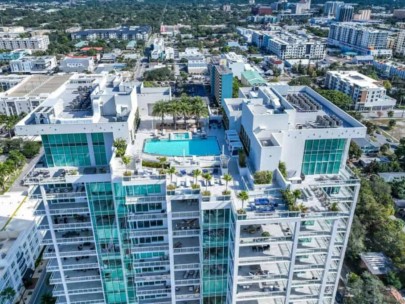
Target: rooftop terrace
[38, 84]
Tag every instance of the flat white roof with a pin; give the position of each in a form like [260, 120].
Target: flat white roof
[356, 78]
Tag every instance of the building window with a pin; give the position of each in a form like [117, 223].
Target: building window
[323, 156]
[66, 150]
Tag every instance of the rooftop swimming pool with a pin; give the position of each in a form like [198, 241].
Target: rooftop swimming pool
[188, 147]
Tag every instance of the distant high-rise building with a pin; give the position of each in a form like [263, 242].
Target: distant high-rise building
[399, 13]
[367, 93]
[344, 13]
[302, 7]
[400, 43]
[221, 82]
[330, 7]
[362, 15]
[262, 10]
[352, 36]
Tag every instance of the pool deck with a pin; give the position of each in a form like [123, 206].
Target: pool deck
[136, 149]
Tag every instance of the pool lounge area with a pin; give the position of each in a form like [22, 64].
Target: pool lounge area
[186, 147]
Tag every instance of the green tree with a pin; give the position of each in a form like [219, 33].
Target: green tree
[235, 87]
[393, 280]
[126, 160]
[390, 113]
[384, 148]
[199, 109]
[243, 196]
[30, 148]
[371, 127]
[160, 109]
[196, 174]
[174, 108]
[357, 238]
[227, 178]
[300, 81]
[162, 160]
[185, 108]
[282, 168]
[387, 85]
[120, 145]
[48, 299]
[207, 177]
[391, 124]
[339, 99]
[171, 171]
[354, 150]
[162, 74]
[16, 158]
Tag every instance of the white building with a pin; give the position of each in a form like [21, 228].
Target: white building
[367, 93]
[400, 43]
[29, 93]
[290, 46]
[35, 43]
[19, 246]
[197, 65]
[158, 48]
[169, 53]
[355, 37]
[190, 53]
[236, 63]
[77, 64]
[140, 32]
[33, 64]
[362, 15]
[170, 241]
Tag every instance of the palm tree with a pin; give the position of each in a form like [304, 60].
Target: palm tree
[185, 110]
[162, 160]
[207, 178]
[126, 160]
[243, 196]
[297, 194]
[199, 109]
[160, 109]
[171, 171]
[196, 174]
[174, 109]
[227, 178]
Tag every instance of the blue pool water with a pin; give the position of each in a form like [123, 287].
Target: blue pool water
[195, 146]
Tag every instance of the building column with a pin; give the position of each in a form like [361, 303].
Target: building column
[328, 260]
[91, 150]
[292, 262]
[55, 244]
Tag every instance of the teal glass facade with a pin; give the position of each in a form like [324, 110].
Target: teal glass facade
[73, 150]
[106, 233]
[99, 148]
[136, 264]
[323, 156]
[216, 248]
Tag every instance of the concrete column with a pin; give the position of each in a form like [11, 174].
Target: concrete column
[91, 150]
[55, 244]
[292, 262]
[328, 260]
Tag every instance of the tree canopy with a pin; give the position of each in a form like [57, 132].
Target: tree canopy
[340, 99]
